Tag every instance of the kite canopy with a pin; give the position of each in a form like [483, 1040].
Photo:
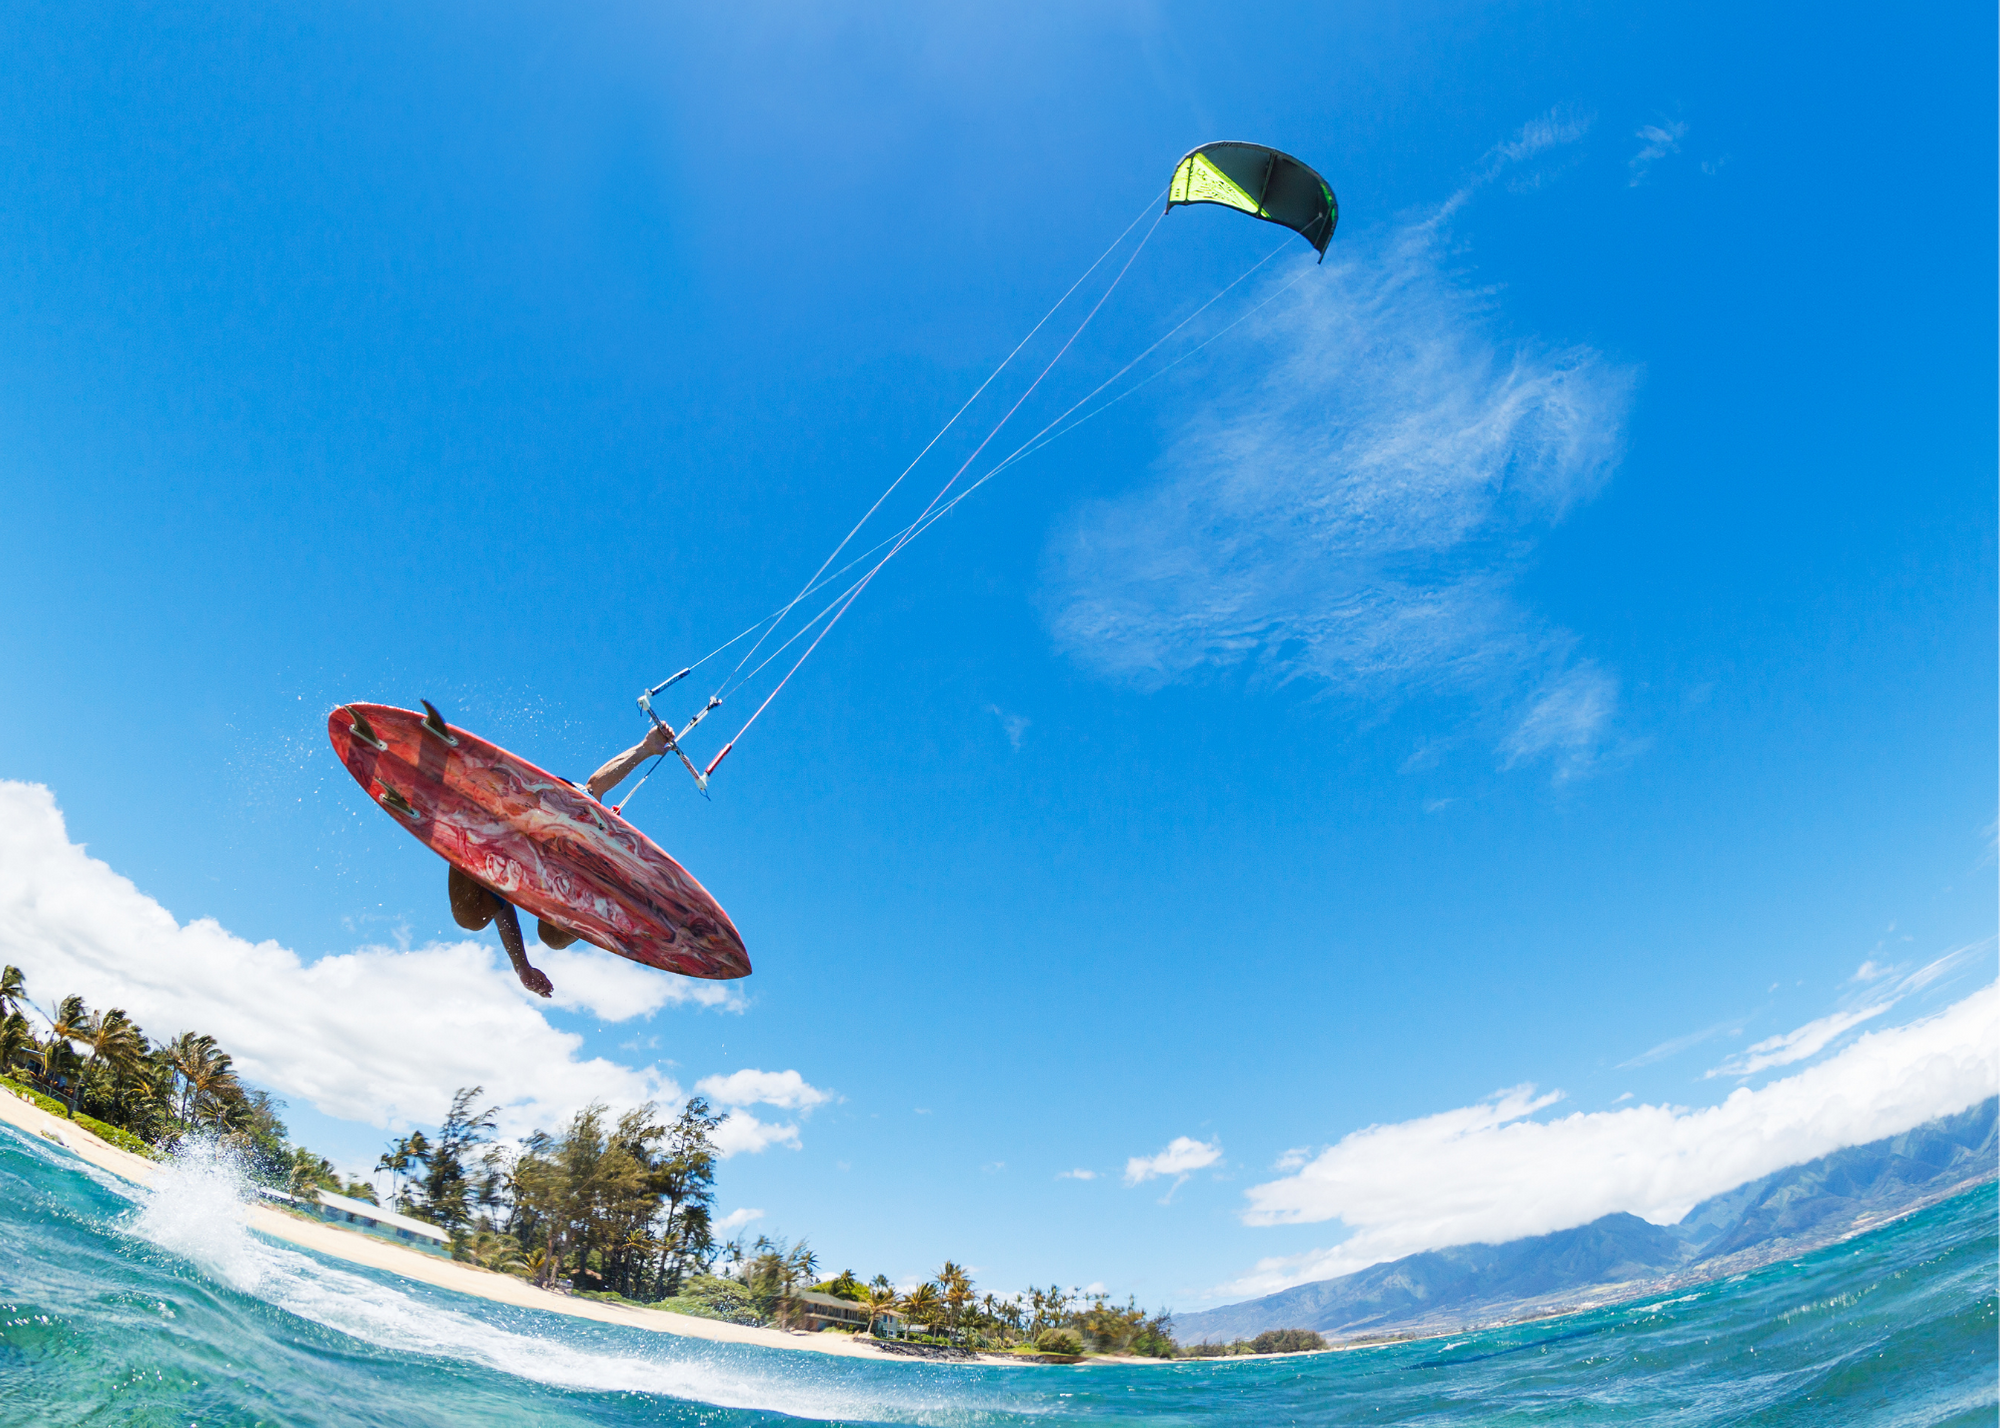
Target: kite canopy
[1261, 182]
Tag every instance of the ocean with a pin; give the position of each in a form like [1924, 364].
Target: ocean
[120, 1305]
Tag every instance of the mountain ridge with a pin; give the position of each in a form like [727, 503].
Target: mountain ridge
[1620, 1256]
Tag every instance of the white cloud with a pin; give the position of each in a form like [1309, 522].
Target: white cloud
[1657, 141]
[1679, 1044]
[1293, 1158]
[1565, 723]
[614, 989]
[743, 1134]
[1352, 508]
[736, 1220]
[1183, 1155]
[1488, 1174]
[1558, 128]
[786, 1090]
[1808, 1040]
[375, 1035]
[1015, 726]
[1077, 1175]
[1869, 971]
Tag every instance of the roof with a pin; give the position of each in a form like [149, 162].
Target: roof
[384, 1217]
[834, 1301]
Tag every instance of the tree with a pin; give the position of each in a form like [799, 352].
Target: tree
[444, 1185]
[955, 1288]
[684, 1177]
[112, 1036]
[13, 991]
[308, 1174]
[924, 1305]
[401, 1160]
[67, 1024]
[17, 1039]
[878, 1300]
[206, 1079]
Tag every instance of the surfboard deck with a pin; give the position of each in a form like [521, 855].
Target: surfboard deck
[543, 844]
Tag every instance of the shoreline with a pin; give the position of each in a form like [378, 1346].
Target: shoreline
[354, 1247]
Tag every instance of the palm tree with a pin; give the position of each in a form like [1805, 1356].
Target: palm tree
[112, 1036]
[956, 1286]
[67, 1024]
[924, 1305]
[880, 1300]
[208, 1081]
[13, 991]
[16, 1038]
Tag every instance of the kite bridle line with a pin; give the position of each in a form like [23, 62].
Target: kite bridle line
[911, 533]
[770, 622]
[890, 490]
[934, 512]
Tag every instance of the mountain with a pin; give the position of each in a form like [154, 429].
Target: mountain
[1622, 1256]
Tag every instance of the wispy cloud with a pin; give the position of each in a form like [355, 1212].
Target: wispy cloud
[1076, 1175]
[1679, 1044]
[1808, 1040]
[1564, 722]
[1559, 128]
[1656, 141]
[1014, 726]
[1815, 1036]
[1489, 1173]
[736, 1220]
[1354, 511]
[1183, 1156]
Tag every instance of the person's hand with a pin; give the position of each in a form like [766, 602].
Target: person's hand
[655, 742]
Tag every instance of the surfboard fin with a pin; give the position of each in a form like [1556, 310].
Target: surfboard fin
[396, 803]
[362, 731]
[434, 723]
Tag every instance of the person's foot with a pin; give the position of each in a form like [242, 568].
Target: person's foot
[535, 980]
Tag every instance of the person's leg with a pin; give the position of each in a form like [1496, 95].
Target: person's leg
[553, 936]
[472, 904]
[517, 951]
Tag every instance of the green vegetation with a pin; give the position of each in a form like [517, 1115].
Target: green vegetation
[614, 1208]
[98, 1068]
[1271, 1341]
[947, 1311]
[606, 1206]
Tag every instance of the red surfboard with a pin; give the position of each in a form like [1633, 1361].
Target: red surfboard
[543, 844]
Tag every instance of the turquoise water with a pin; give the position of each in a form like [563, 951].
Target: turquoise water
[124, 1306]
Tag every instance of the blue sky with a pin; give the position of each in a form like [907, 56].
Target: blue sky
[1556, 630]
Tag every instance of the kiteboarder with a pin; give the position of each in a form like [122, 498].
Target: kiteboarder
[473, 904]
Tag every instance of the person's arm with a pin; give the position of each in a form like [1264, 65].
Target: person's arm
[614, 772]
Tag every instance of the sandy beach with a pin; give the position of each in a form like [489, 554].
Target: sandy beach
[358, 1248]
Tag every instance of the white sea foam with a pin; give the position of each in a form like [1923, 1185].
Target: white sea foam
[196, 1210]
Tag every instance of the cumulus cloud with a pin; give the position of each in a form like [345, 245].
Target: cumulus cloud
[613, 989]
[742, 1133]
[736, 1220]
[376, 1035]
[786, 1090]
[1353, 508]
[1488, 1173]
[1183, 1156]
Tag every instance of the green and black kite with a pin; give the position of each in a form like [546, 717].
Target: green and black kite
[1259, 181]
